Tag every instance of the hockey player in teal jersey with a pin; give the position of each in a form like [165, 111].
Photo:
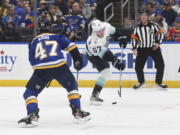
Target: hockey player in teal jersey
[100, 55]
[48, 62]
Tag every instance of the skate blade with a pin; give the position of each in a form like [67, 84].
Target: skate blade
[82, 120]
[161, 89]
[96, 103]
[24, 125]
[142, 86]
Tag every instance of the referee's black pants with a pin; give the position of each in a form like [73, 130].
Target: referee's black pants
[141, 58]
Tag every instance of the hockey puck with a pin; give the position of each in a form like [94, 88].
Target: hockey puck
[113, 103]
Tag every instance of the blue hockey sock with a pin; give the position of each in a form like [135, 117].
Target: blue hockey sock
[31, 104]
[30, 97]
[74, 98]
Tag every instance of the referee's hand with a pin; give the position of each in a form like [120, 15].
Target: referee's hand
[156, 46]
[134, 51]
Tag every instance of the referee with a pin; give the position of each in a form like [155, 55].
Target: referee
[146, 41]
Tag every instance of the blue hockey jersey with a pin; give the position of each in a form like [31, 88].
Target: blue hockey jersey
[45, 50]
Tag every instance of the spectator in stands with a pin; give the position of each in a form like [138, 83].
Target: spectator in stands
[53, 13]
[86, 9]
[174, 32]
[5, 5]
[61, 26]
[162, 2]
[19, 10]
[171, 2]
[44, 20]
[157, 18]
[1, 13]
[127, 28]
[26, 24]
[169, 14]
[63, 7]
[177, 1]
[10, 33]
[76, 23]
[124, 31]
[32, 2]
[1, 32]
[149, 9]
[156, 3]
[93, 5]
[13, 2]
[70, 3]
[176, 6]
[43, 9]
[28, 20]
[11, 17]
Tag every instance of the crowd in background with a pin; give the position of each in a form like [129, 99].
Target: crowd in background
[167, 14]
[71, 17]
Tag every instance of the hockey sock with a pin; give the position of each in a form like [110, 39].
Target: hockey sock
[74, 98]
[31, 104]
[101, 80]
[30, 97]
[97, 89]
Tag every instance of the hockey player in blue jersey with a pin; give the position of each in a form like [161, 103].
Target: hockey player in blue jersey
[48, 62]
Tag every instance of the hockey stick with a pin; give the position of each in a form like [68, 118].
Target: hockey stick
[120, 75]
[48, 84]
[77, 75]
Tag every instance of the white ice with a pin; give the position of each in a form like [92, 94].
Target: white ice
[147, 111]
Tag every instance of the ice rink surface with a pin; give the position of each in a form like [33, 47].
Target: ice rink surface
[147, 111]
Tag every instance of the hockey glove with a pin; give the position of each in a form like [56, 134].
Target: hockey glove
[78, 64]
[119, 65]
[123, 41]
[77, 59]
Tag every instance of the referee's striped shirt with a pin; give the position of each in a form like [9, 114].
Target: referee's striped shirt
[145, 36]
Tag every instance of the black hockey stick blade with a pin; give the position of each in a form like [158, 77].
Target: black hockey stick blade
[119, 91]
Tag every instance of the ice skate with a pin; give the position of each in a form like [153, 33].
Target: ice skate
[95, 100]
[162, 86]
[138, 85]
[80, 115]
[29, 121]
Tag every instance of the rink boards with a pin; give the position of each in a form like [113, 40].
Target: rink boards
[15, 69]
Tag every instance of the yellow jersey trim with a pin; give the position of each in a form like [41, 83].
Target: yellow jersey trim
[71, 48]
[51, 66]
